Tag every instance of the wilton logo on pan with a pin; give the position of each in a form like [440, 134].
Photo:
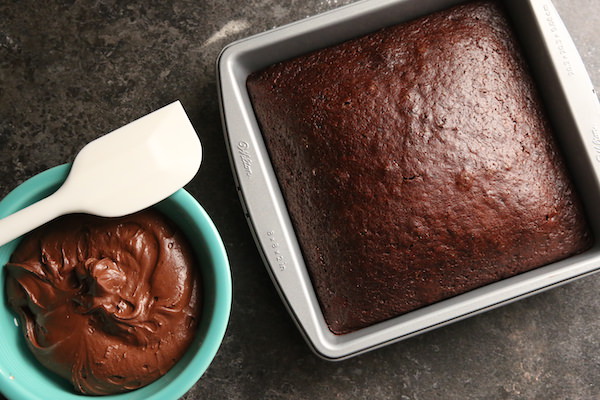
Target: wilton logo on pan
[596, 142]
[244, 155]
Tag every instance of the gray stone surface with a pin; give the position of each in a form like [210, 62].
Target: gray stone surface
[72, 70]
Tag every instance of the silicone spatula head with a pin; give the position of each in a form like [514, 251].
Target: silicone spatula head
[120, 173]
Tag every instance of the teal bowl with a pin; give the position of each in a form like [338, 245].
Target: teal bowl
[22, 377]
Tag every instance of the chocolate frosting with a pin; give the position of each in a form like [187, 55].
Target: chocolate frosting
[108, 303]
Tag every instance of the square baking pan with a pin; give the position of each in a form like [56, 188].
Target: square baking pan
[568, 96]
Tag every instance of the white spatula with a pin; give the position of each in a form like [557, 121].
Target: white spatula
[122, 172]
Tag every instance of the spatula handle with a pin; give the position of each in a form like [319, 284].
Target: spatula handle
[31, 217]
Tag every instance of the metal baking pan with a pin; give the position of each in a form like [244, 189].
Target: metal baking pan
[568, 95]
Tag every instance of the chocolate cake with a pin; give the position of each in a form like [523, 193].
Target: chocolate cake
[417, 163]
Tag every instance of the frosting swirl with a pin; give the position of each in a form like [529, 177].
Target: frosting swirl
[108, 303]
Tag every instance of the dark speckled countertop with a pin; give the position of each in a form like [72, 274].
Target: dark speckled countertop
[72, 70]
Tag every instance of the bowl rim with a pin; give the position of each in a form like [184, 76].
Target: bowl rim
[166, 387]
